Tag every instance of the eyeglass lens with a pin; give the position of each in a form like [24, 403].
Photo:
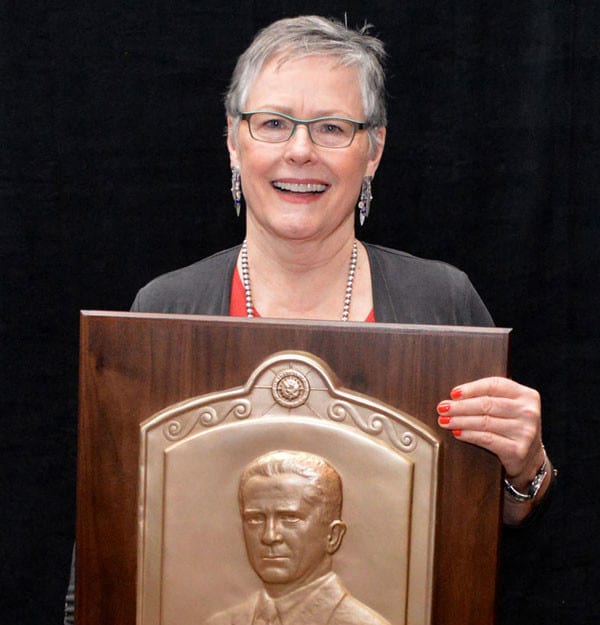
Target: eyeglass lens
[328, 132]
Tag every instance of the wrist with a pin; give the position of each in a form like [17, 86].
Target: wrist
[526, 490]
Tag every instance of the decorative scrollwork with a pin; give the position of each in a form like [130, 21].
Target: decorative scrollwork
[375, 423]
[338, 411]
[209, 416]
[406, 441]
[177, 429]
[241, 409]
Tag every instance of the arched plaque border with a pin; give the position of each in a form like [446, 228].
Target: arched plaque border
[321, 398]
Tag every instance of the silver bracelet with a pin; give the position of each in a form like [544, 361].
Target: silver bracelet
[532, 488]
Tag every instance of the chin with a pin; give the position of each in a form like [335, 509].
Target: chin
[271, 576]
[297, 231]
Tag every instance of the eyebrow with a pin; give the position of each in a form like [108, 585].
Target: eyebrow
[288, 111]
[261, 510]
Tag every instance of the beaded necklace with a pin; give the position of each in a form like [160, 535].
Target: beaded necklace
[347, 294]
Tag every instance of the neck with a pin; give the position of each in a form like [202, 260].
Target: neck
[302, 255]
[305, 280]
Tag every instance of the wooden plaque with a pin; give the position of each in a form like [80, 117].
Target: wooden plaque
[135, 366]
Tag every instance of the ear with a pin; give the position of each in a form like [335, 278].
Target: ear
[337, 529]
[376, 153]
[234, 161]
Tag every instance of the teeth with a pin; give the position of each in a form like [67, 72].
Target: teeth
[300, 188]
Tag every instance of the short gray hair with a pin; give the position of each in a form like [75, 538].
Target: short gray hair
[324, 484]
[311, 35]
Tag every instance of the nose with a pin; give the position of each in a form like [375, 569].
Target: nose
[271, 534]
[299, 148]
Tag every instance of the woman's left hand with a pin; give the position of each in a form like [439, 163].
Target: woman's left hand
[505, 418]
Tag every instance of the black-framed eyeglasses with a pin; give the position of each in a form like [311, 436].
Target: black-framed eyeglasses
[328, 132]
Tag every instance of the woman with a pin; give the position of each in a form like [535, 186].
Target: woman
[306, 127]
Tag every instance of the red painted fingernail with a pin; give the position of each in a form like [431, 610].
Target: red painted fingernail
[457, 433]
[444, 407]
[456, 393]
[443, 420]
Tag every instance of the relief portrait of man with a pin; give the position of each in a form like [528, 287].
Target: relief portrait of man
[290, 505]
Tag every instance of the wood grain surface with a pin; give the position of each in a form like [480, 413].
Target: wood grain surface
[133, 365]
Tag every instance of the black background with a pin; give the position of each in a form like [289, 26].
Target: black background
[113, 169]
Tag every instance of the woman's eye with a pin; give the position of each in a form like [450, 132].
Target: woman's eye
[330, 128]
[275, 123]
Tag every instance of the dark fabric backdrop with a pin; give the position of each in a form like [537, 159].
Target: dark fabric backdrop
[113, 169]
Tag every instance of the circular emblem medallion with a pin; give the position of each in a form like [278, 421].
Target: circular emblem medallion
[290, 388]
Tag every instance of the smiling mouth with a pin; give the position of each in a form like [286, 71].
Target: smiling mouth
[298, 187]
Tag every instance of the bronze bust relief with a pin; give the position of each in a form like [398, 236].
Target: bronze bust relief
[291, 508]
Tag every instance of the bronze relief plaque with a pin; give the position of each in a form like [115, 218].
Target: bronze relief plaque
[286, 480]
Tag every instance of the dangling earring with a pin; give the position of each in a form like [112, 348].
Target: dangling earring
[236, 189]
[364, 202]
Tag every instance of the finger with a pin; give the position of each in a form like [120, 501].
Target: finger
[508, 428]
[494, 386]
[512, 440]
[493, 442]
[524, 406]
[508, 418]
[483, 406]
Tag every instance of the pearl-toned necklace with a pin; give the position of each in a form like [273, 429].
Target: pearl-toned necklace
[349, 282]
